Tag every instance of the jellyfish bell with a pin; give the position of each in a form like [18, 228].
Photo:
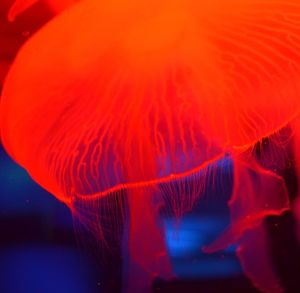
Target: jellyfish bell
[224, 104]
[128, 95]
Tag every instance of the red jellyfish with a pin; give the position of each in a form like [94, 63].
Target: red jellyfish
[127, 96]
[20, 6]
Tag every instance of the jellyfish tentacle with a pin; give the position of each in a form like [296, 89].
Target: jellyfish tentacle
[257, 193]
[146, 230]
[296, 203]
[254, 255]
[19, 6]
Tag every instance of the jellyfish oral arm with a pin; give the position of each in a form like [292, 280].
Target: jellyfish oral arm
[18, 7]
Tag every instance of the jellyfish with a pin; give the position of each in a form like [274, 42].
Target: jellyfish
[19, 6]
[133, 97]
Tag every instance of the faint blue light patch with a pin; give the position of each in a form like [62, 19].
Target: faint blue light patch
[191, 233]
[45, 270]
[184, 240]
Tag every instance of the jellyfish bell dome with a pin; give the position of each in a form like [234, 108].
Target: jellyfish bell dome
[103, 87]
